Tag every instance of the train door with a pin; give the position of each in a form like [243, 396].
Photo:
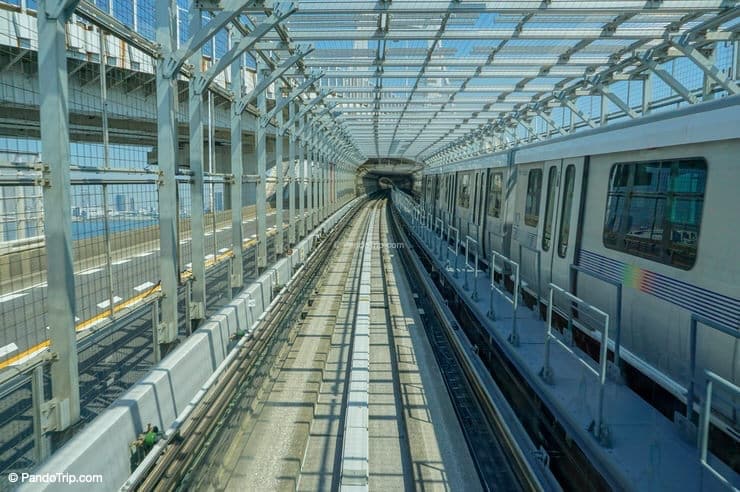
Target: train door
[563, 184]
[479, 211]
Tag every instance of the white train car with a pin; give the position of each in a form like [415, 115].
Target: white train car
[650, 205]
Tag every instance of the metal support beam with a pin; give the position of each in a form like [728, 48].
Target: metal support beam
[261, 148]
[237, 171]
[607, 92]
[668, 78]
[54, 118]
[230, 9]
[279, 248]
[311, 171]
[301, 179]
[279, 106]
[60, 9]
[574, 109]
[707, 66]
[647, 93]
[269, 79]
[292, 182]
[308, 107]
[166, 151]
[197, 222]
[279, 13]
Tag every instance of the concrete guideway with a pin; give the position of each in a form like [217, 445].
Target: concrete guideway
[297, 437]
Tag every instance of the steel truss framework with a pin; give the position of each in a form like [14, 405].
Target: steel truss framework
[429, 81]
[441, 80]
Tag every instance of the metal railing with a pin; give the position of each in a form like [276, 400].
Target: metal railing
[468, 267]
[704, 421]
[538, 258]
[439, 227]
[502, 291]
[598, 427]
[617, 320]
[695, 320]
[456, 251]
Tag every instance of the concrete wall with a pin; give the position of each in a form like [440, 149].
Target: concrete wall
[103, 446]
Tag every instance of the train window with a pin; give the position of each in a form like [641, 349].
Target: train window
[532, 206]
[495, 195]
[654, 210]
[552, 180]
[565, 213]
[463, 192]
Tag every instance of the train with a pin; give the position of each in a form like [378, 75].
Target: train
[651, 205]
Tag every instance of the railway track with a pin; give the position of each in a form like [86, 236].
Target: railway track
[281, 417]
[243, 377]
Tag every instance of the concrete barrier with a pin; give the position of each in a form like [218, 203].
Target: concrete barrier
[102, 447]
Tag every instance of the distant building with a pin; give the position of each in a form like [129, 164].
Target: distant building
[120, 203]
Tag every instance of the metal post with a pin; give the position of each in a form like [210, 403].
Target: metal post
[491, 311]
[166, 20]
[108, 250]
[155, 330]
[291, 178]
[692, 369]
[42, 444]
[706, 415]
[197, 213]
[546, 371]
[311, 178]
[301, 181]
[647, 92]
[106, 165]
[54, 118]
[261, 147]
[237, 171]
[280, 232]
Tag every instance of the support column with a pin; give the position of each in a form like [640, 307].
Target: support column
[322, 186]
[167, 196]
[53, 90]
[311, 207]
[237, 171]
[197, 221]
[279, 177]
[647, 92]
[261, 148]
[302, 181]
[291, 178]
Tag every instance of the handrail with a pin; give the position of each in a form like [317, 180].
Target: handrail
[695, 319]
[705, 417]
[538, 255]
[513, 300]
[456, 251]
[466, 285]
[598, 427]
[439, 226]
[617, 315]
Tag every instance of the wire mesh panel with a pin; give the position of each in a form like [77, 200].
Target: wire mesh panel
[22, 273]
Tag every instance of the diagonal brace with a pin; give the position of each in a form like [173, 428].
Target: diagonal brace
[295, 93]
[231, 9]
[709, 68]
[607, 92]
[667, 78]
[569, 104]
[307, 108]
[269, 78]
[280, 13]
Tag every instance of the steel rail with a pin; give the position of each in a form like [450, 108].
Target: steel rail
[176, 459]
